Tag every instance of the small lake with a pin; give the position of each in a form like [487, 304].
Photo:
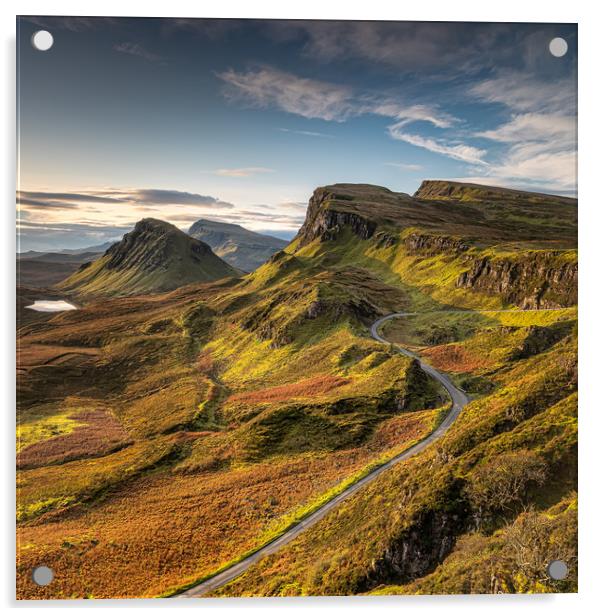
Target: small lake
[51, 305]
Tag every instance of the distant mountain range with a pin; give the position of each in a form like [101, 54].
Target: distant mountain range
[44, 269]
[156, 256]
[78, 251]
[241, 248]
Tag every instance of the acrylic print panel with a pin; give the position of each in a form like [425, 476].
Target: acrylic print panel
[297, 308]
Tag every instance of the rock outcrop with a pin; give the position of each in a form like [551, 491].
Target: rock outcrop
[324, 220]
[419, 549]
[535, 280]
[425, 244]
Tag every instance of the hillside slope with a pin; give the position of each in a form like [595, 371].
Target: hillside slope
[241, 248]
[156, 256]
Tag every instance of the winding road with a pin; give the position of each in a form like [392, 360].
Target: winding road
[459, 401]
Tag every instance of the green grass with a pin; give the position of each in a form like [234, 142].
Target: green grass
[41, 423]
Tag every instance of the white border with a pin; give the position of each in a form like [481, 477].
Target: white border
[590, 230]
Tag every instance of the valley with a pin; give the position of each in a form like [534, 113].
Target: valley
[188, 414]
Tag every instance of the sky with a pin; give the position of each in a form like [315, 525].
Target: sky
[240, 120]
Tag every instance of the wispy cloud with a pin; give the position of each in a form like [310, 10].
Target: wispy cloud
[135, 49]
[406, 166]
[312, 99]
[74, 24]
[522, 91]
[534, 165]
[65, 196]
[406, 114]
[137, 196]
[302, 96]
[306, 133]
[458, 151]
[405, 46]
[539, 127]
[540, 134]
[158, 196]
[42, 204]
[242, 172]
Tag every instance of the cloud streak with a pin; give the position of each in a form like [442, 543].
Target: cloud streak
[135, 49]
[65, 196]
[148, 196]
[313, 99]
[305, 133]
[458, 151]
[302, 96]
[540, 136]
[406, 166]
[242, 172]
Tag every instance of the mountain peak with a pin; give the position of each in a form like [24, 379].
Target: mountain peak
[239, 247]
[155, 256]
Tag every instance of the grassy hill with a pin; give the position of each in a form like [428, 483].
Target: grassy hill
[178, 431]
[154, 257]
[241, 248]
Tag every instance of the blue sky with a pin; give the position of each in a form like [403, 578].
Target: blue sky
[240, 120]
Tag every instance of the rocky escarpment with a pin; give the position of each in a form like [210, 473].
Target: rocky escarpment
[324, 220]
[536, 280]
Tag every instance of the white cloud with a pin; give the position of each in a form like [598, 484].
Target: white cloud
[413, 113]
[314, 99]
[242, 172]
[541, 133]
[458, 151]
[308, 98]
[554, 128]
[305, 133]
[524, 92]
[405, 166]
[556, 170]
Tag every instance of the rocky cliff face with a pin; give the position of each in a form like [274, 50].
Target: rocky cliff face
[324, 221]
[418, 550]
[422, 243]
[537, 280]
